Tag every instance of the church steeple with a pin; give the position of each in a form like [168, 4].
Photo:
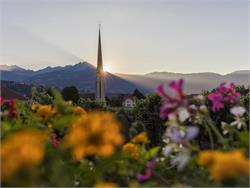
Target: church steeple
[99, 57]
[100, 94]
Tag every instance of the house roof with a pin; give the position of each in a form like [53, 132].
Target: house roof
[8, 93]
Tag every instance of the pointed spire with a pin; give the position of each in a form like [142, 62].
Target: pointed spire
[99, 57]
[100, 91]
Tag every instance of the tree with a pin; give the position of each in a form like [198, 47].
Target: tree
[146, 114]
[138, 94]
[71, 94]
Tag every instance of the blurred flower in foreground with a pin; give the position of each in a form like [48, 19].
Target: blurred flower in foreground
[23, 149]
[239, 120]
[179, 143]
[238, 113]
[79, 111]
[131, 149]
[105, 185]
[140, 138]
[9, 106]
[224, 165]
[180, 134]
[44, 111]
[96, 133]
[148, 172]
[180, 160]
[172, 103]
[223, 94]
[55, 140]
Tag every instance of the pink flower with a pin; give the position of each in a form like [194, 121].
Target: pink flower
[177, 86]
[230, 94]
[172, 103]
[223, 94]
[147, 175]
[148, 172]
[216, 99]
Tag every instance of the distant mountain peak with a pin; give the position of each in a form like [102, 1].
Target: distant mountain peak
[240, 72]
[10, 68]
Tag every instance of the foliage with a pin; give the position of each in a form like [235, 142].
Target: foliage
[41, 96]
[70, 94]
[90, 104]
[159, 143]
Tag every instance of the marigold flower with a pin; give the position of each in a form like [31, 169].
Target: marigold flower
[96, 133]
[131, 149]
[105, 185]
[79, 111]
[23, 149]
[44, 111]
[205, 157]
[224, 165]
[140, 138]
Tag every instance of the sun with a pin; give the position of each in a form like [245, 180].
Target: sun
[107, 68]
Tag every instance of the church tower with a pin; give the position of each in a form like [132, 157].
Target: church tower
[99, 92]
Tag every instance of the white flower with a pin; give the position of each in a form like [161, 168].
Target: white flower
[172, 117]
[238, 111]
[167, 150]
[180, 160]
[238, 123]
[183, 114]
[192, 107]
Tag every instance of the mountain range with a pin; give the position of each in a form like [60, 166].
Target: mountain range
[82, 75]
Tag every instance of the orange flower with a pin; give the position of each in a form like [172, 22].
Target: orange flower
[131, 149]
[105, 185]
[224, 165]
[44, 111]
[23, 149]
[79, 111]
[140, 138]
[96, 133]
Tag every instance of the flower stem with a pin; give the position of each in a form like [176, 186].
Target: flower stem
[217, 133]
[211, 139]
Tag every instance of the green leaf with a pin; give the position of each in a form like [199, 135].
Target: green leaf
[151, 153]
[243, 139]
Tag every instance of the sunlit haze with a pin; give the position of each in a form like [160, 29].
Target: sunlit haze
[137, 36]
[107, 68]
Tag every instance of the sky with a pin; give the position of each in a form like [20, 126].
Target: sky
[138, 36]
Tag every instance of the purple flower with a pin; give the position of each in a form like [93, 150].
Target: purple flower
[171, 103]
[182, 136]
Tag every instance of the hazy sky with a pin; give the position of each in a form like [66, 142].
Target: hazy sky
[138, 36]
